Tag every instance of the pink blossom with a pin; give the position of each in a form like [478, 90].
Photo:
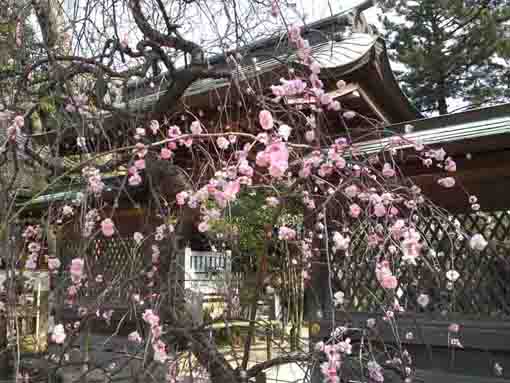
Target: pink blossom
[181, 198]
[19, 121]
[354, 210]
[107, 227]
[263, 138]
[427, 162]
[389, 282]
[447, 182]
[76, 269]
[272, 201]
[351, 191]
[140, 150]
[138, 237]
[266, 120]
[286, 234]
[203, 226]
[294, 33]
[165, 154]
[388, 170]
[155, 254]
[135, 337]
[315, 67]
[454, 328]
[309, 136]
[150, 317]
[284, 131]
[385, 276]
[154, 126]
[278, 159]
[450, 165]
[411, 246]
[262, 159]
[53, 263]
[135, 179]
[335, 106]
[140, 164]
[349, 115]
[196, 127]
[174, 131]
[231, 189]
[379, 210]
[222, 143]
[160, 354]
[58, 335]
[341, 242]
[140, 132]
[245, 169]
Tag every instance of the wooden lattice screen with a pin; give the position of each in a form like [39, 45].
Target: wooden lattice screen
[115, 259]
[483, 289]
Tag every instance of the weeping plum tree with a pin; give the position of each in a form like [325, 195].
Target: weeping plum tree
[194, 170]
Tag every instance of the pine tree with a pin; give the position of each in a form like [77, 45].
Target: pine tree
[451, 49]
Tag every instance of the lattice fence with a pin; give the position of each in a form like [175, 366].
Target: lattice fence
[120, 262]
[483, 289]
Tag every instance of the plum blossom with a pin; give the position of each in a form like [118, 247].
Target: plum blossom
[338, 298]
[452, 275]
[341, 242]
[160, 354]
[138, 237]
[375, 371]
[222, 143]
[385, 276]
[135, 179]
[181, 198]
[203, 226]
[450, 165]
[354, 210]
[478, 242]
[58, 335]
[286, 234]
[278, 156]
[53, 263]
[272, 201]
[379, 210]
[423, 300]
[196, 127]
[107, 227]
[151, 318]
[135, 337]
[447, 182]
[388, 170]
[351, 191]
[154, 126]
[266, 120]
[165, 154]
[284, 131]
[349, 114]
[76, 269]
[411, 246]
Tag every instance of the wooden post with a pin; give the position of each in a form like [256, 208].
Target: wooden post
[269, 341]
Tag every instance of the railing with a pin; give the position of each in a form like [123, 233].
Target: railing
[206, 261]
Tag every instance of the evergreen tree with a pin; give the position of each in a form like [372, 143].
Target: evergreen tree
[451, 49]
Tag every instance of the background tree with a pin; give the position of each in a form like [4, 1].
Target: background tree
[451, 50]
